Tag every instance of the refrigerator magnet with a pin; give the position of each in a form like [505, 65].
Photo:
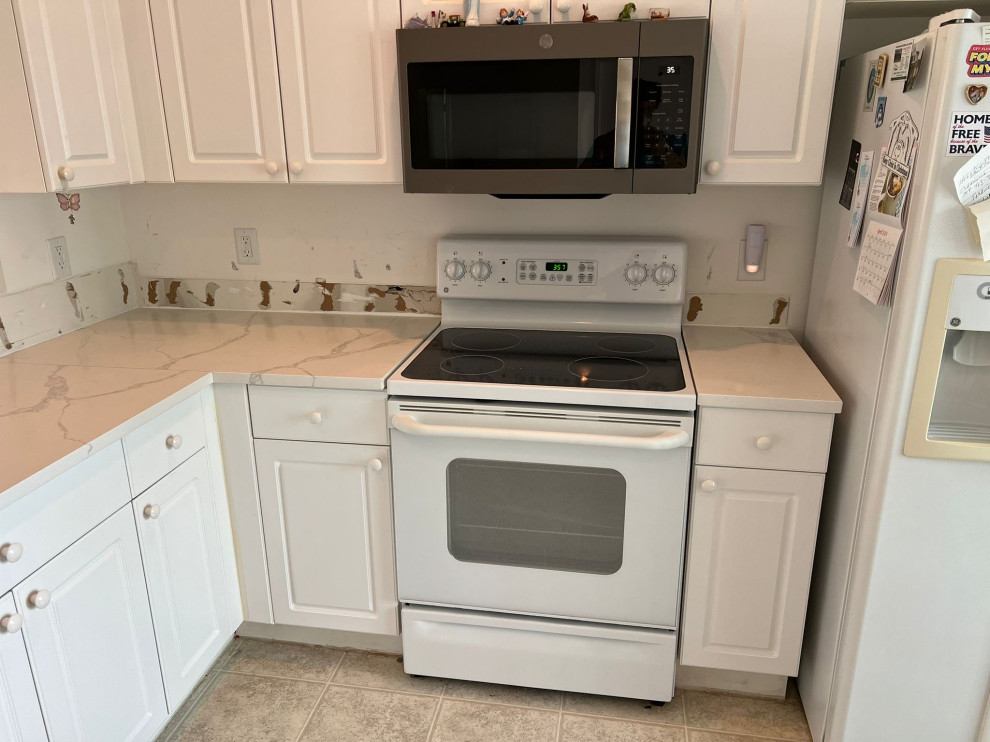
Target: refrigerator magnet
[881, 110]
[975, 93]
[871, 90]
[917, 54]
[902, 61]
[978, 60]
[879, 77]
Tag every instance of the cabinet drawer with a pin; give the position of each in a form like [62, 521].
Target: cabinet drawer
[763, 439]
[159, 446]
[322, 415]
[40, 525]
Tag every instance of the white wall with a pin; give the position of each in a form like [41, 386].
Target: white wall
[96, 240]
[337, 232]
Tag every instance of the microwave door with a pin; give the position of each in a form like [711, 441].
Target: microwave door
[518, 119]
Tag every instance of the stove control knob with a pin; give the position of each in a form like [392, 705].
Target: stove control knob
[481, 270]
[664, 274]
[455, 270]
[636, 274]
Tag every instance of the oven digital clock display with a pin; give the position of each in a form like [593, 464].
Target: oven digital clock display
[556, 267]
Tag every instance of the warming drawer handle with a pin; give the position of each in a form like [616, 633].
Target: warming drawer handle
[666, 440]
[623, 112]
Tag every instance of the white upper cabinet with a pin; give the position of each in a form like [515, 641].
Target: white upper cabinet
[66, 51]
[340, 94]
[21, 171]
[771, 74]
[219, 81]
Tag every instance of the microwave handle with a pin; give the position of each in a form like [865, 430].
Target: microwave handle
[623, 112]
[666, 440]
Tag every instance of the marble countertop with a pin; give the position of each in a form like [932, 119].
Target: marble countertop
[754, 368]
[65, 398]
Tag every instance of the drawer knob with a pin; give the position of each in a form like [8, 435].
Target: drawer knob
[12, 623]
[66, 173]
[713, 167]
[11, 552]
[316, 417]
[295, 168]
[708, 485]
[39, 598]
[764, 442]
[152, 511]
[173, 442]
[375, 464]
[271, 167]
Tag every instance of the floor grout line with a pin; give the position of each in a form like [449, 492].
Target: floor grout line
[312, 711]
[436, 713]
[560, 722]
[274, 677]
[689, 727]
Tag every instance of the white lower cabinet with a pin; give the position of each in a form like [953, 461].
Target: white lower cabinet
[178, 521]
[90, 639]
[20, 713]
[751, 546]
[327, 516]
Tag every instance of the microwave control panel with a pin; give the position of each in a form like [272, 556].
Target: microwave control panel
[664, 110]
[561, 269]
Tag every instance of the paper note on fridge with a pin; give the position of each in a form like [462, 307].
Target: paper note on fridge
[979, 221]
[973, 179]
[877, 260]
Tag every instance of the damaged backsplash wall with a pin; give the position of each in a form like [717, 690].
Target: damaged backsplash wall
[379, 238]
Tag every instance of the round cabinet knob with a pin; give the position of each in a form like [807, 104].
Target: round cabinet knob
[295, 168]
[764, 442]
[173, 442]
[12, 623]
[535, 6]
[11, 552]
[636, 274]
[455, 270]
[39, 598]
[563, 5]
[271, 167]
[66, 173]
[664, 274]
[481, 270]
[708, 485]
[713, 167]
[316, 417]
[152, 511]
[375, 464]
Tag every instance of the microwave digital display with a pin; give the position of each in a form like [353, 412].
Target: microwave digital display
[664, 112]
[553, 267]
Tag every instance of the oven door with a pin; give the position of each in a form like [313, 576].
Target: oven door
[551, 511]
[521, 111]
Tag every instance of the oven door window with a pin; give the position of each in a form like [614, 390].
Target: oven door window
[542, 516]
[520, 114]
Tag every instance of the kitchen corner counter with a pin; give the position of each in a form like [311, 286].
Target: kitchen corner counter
[755, 368]
[64, 399]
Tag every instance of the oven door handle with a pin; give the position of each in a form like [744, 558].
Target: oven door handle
[664, 441]
[623, 112]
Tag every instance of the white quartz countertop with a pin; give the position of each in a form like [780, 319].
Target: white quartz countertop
[65, 398]
[755, 368]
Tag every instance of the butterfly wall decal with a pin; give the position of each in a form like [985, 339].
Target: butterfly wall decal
[69, 203]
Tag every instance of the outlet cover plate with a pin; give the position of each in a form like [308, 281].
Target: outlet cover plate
[58, 250]
[246, 246]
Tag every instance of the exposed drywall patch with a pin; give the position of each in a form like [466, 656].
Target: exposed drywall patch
[123, 284]
[211, 293]
[73, 295]
[695, 305]
[266, 295]
[326, 289]
[779, 307]
[152, 292]
[357, 271]
[3, 337]
[172, 295]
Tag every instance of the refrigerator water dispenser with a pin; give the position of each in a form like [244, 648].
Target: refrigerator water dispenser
[950, 409]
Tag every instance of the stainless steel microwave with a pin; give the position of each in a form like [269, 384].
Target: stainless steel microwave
[553, 110]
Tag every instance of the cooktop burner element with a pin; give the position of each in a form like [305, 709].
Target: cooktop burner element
[487, 340]
[471, 365]
[607, 369]
[556, 358]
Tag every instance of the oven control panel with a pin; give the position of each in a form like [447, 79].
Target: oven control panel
[631, 271]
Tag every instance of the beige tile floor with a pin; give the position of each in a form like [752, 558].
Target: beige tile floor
[276, 692]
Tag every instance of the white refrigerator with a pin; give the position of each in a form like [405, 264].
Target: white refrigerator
[897, 644]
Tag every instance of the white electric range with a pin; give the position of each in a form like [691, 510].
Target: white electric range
[541, 451]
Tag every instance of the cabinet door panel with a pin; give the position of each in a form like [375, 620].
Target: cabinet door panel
[326, 510]
[92, 648]
[750, 553]
[769, 93]
[220, 87]
[178, 528]
[339, 89]
[20, 714]
[66, 48]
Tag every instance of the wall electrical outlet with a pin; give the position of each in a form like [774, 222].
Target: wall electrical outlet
[246, 246]
[59, 251]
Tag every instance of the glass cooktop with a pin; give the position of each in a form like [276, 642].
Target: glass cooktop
[593, 360]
